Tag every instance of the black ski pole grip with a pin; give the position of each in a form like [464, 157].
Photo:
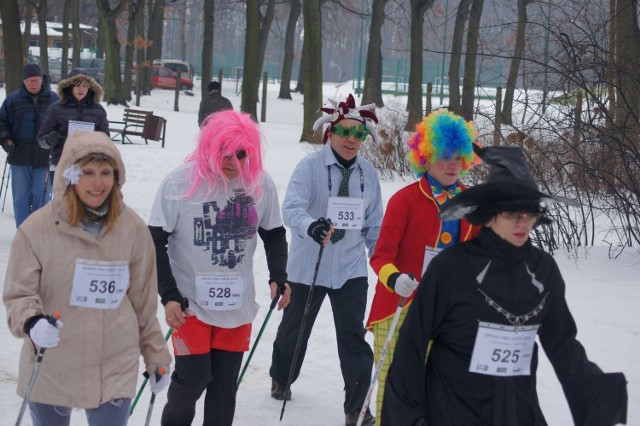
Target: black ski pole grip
[184, 305]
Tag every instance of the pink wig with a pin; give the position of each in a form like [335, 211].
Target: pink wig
[224, 134]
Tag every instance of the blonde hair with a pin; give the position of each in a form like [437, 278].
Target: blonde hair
[76, 210]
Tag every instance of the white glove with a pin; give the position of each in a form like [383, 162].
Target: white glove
[44, 334]
[158, 386]
[405, 285]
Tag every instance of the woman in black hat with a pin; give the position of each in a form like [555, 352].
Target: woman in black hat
[485, 303]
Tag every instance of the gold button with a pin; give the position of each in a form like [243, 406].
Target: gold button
[445, 238]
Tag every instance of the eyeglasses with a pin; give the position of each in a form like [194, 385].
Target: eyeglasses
[359, 132]
[515, 216]
[240, 155]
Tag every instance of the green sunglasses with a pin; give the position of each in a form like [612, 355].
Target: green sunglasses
[359, 132]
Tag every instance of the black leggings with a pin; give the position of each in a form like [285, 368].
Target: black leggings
[215, 372]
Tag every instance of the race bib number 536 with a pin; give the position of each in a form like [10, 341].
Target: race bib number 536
[98, 284]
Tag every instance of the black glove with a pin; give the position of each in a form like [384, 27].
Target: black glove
[52, 138]
[319, 229]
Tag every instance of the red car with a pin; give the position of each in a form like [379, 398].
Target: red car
[164, 78]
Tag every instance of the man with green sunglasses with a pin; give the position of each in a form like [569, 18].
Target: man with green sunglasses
[333, 183]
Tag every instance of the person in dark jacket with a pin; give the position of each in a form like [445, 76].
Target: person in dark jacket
[480, 305]
[213, 103]
[21, 115]
[78, 109]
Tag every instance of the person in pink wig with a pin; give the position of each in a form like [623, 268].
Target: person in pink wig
[204, 222]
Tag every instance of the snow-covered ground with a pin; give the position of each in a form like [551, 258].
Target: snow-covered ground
[603, 294]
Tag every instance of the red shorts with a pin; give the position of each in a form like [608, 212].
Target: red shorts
[195, 337]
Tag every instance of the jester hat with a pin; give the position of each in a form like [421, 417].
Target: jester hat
[348, 110]
[441, 135]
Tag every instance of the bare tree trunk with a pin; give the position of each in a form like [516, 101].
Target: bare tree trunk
[183, 30]
[141, 52]
[249, 97]
[611, 58]
[469, 79]
[456, 55]
[312, 69]
[154, 35]
[115, 93]
[10, 13]
[372, 92]
[44, 42]
[628, 66]
[207, 47]
[287, 61]
[135, 40]
[518, 53]
[28, 17]
[66, 12]
[77, 35]
[414, 98]
[300, 82]
[258, 27]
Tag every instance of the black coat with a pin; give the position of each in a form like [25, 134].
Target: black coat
[21, 115]
[446, 311]
[213, 103]
[69, 108]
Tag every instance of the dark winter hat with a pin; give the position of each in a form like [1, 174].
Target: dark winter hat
[79, 71]
[214, 85]
[510, 187]
[31, 70]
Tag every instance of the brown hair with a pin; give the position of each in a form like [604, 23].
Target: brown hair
[75, 209]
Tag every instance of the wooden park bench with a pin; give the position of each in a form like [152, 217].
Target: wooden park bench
[138, 123]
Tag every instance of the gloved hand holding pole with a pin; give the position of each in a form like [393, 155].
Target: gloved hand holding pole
[158, 382]
[45, 337]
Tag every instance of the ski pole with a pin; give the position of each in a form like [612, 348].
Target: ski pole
[4, 173]
[146, 379]
[52, 319]
[44, 190]
[383, 354]
[158, 375]
[264, 324]
[6, 189]
[301, 332]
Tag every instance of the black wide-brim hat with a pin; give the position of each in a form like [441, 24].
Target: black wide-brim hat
[510, 187]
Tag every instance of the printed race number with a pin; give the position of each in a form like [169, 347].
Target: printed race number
[345, 212]
[102, 286]
[505, 355]
[219, 291]
[503, 350]
[99, 284]
[342, 216]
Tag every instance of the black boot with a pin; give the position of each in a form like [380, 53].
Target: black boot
[277, 390]
[351, 419]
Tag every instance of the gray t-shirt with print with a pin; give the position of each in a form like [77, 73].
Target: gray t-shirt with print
[212, 244]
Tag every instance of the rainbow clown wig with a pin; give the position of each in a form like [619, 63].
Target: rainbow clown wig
[441, 135]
